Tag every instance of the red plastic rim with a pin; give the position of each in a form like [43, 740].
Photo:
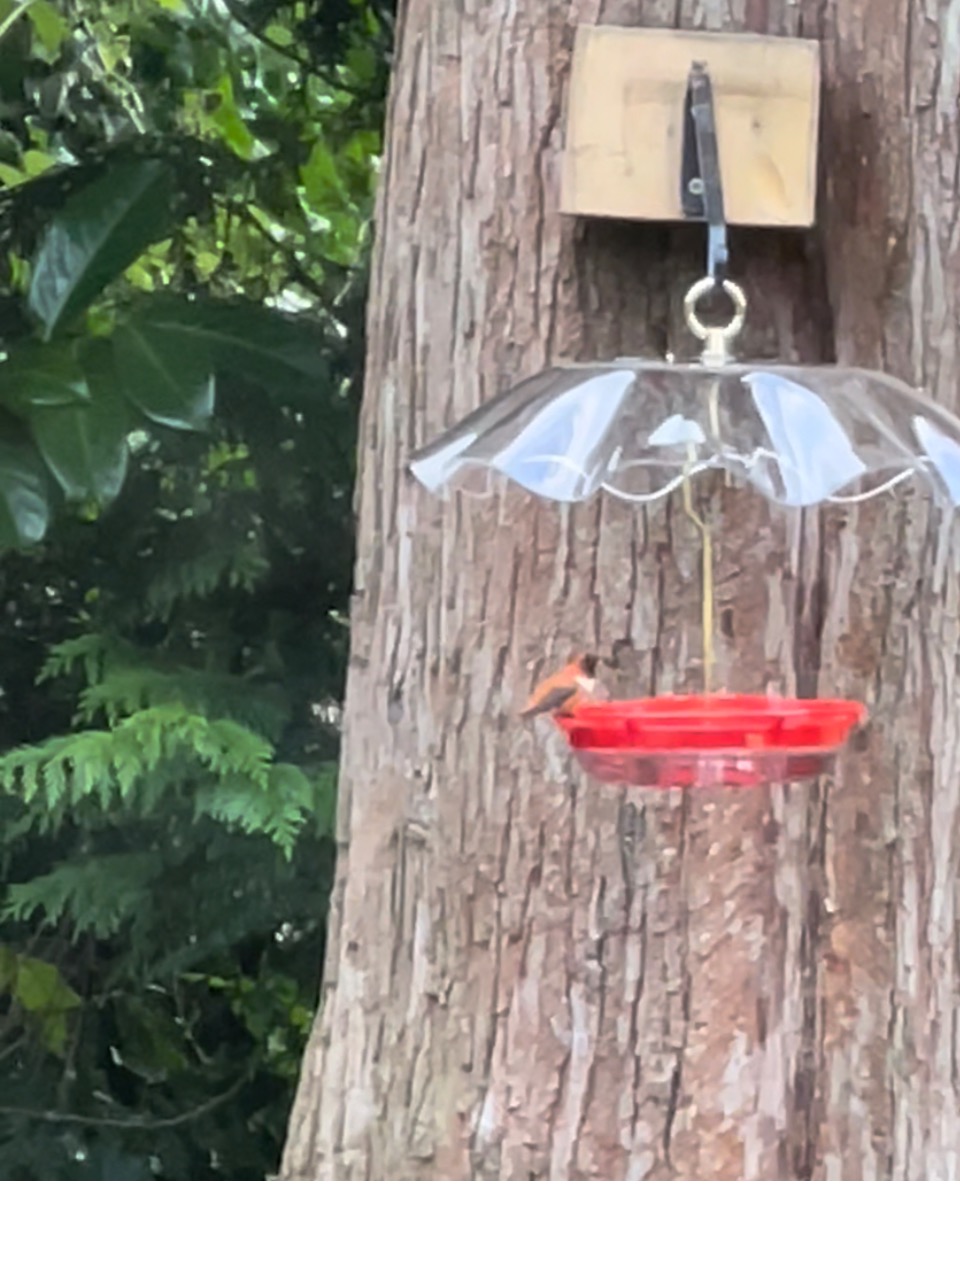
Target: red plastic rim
[709, 739]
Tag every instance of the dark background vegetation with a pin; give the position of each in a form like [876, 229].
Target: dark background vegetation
[184, 230]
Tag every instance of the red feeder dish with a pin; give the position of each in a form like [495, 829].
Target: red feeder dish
[709, 739]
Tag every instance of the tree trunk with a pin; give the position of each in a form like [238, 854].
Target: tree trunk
[533, 976]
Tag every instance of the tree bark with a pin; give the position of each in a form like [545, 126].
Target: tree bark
[531, 976]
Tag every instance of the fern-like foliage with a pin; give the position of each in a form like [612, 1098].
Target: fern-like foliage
[89, 652]
[126, 691]
[95, 895]
[200, 574]
[135, 765]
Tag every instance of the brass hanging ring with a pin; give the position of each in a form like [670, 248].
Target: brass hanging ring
[700, 290]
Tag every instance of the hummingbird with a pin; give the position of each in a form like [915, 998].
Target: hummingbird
[570, 687]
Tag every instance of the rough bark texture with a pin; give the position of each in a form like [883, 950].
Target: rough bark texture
[531, 976]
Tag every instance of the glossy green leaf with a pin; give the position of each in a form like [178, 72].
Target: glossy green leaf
[280, 353]
[37, 162]
[150, 1040]
[98, 233]
[11, 177]
[41, 991]
[110, 415]
[83, 459]
[230, 124]
[24, 490]
[322, 185]
[36, 373]
[84, 444]
[77, 413]
[166, 374]
[50, 28]
[40, 988]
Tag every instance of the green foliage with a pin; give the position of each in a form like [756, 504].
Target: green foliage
[95, 896]
[38, 996]
[24, 491]
[79, 422]
[218, 168]
[185, 194]
[99, 232]
[170, 380]
[283, 355]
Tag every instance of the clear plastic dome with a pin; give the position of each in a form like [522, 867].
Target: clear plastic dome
[801, 435]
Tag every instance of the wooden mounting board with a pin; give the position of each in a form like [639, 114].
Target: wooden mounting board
[625, 124]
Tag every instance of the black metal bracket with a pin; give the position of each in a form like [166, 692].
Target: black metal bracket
[701, 190]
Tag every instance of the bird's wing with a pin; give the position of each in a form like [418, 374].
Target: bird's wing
[549, 701]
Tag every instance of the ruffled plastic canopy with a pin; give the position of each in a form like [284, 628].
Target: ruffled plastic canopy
[801, 435]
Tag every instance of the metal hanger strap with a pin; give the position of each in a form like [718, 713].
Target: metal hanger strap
[701, 191]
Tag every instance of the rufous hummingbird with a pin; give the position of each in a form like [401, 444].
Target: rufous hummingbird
[570, 687]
